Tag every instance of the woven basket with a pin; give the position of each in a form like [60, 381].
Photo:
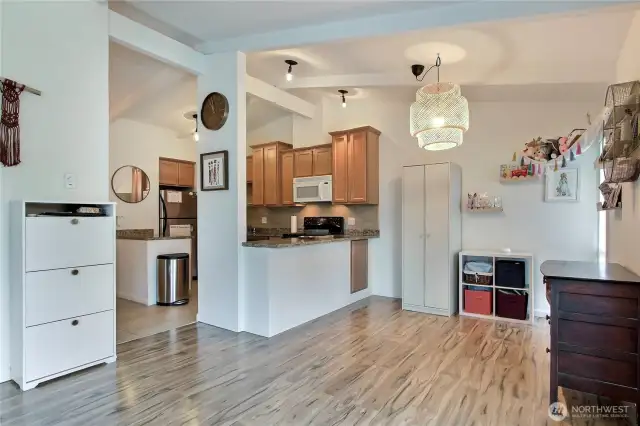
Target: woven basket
[477, 279]
[621, 170]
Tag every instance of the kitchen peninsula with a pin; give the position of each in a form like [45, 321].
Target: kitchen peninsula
[290, 281]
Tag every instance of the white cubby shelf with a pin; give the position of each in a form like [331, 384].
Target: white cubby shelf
[491, 256]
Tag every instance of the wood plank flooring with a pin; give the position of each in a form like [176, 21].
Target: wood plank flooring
[368, 364]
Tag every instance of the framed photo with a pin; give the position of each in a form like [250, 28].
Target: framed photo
[562, 185]
[214, 171]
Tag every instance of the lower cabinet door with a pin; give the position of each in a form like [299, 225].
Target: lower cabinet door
[59, 346]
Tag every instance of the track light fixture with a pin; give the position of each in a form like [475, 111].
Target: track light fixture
[291, 63]
[344, 101]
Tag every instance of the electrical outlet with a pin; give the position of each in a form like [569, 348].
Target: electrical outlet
[264, 220]
[70, 181]
[351, 221]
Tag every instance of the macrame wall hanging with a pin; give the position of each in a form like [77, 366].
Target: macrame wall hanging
[9, 123]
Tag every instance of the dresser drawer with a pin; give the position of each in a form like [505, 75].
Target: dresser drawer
[590, 335]
[598, 305]
[65, 293]
[59, 346]
[64, 242]
[602, 369]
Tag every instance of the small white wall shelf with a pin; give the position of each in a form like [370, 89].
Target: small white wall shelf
[491, 256]
[485, 210]
[520, 179]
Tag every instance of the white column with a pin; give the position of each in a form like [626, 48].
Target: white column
[222, 215]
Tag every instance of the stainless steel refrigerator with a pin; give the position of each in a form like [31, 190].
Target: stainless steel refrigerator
[179, 207]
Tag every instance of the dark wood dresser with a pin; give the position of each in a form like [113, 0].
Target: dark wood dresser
[595, 309]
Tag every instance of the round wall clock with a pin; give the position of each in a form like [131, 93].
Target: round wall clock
[215, 110]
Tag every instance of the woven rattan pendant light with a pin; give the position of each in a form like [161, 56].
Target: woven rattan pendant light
[440, 114]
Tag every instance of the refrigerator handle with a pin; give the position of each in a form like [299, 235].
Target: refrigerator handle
[163, 216]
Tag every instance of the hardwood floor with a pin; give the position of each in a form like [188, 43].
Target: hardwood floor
[135, 320]
[368, 364]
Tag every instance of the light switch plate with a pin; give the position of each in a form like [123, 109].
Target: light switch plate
[70, 181]
[351, 221]
[264, 219]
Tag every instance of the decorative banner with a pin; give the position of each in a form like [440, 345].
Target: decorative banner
[564, 161]
[514, 157]
[572, 156]
[578, 149]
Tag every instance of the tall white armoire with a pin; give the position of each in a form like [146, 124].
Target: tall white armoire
[431, 237]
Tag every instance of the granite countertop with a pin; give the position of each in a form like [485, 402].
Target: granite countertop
[144, 235]
[588, 271]
[151, 238]
[298, 242]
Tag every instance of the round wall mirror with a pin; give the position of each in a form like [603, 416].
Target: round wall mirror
[130, 184]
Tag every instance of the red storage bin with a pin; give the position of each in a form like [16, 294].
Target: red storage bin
[512, 306]
[477, 302]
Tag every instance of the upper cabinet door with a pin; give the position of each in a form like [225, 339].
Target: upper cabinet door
[168, 173]
[186, 174]
[357, 167]
[249, 169]
[304, 163]
[322, 161]
[271, 182]
[257, 188]
[340, 175]
[287, 178]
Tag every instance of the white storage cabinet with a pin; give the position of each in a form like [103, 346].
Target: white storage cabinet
[431, 237]
[62, 291]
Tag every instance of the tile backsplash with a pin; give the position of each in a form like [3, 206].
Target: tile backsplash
[366, 217]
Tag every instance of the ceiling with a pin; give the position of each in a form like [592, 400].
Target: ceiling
[152, 92]
[194, 22]
[578, 48]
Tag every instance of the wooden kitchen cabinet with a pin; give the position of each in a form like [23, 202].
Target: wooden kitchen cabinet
[322, 160]
[304, 163]
[359, 265]
[287, 164]
[356, 166]
[266, 186]
[177, 173]
[187, 174]
[249, 169]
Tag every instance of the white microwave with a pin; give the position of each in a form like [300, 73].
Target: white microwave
[315, 189]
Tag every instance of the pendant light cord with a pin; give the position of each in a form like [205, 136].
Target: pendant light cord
[436, 65]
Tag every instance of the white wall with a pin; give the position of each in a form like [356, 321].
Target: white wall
[624, 226]
[140, 144]
[280, 129]
[60, 48]
[550, 231]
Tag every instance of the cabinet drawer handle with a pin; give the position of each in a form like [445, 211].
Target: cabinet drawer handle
[75, 322]
[74, 221]
[75, 272]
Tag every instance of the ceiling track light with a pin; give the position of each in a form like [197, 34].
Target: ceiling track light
[344, 101]
[291, 63]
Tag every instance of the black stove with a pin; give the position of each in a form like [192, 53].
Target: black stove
[317, 226]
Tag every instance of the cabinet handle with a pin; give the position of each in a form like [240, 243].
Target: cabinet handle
[75, 272]
[547, 350]
[75, 322]
[74, 221]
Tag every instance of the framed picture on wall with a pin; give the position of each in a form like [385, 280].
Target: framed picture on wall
[562, 185]
[214, 171]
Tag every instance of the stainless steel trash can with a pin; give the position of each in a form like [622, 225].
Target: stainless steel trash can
[173, 279]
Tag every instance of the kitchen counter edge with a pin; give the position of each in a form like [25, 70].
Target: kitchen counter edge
[297, 242]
